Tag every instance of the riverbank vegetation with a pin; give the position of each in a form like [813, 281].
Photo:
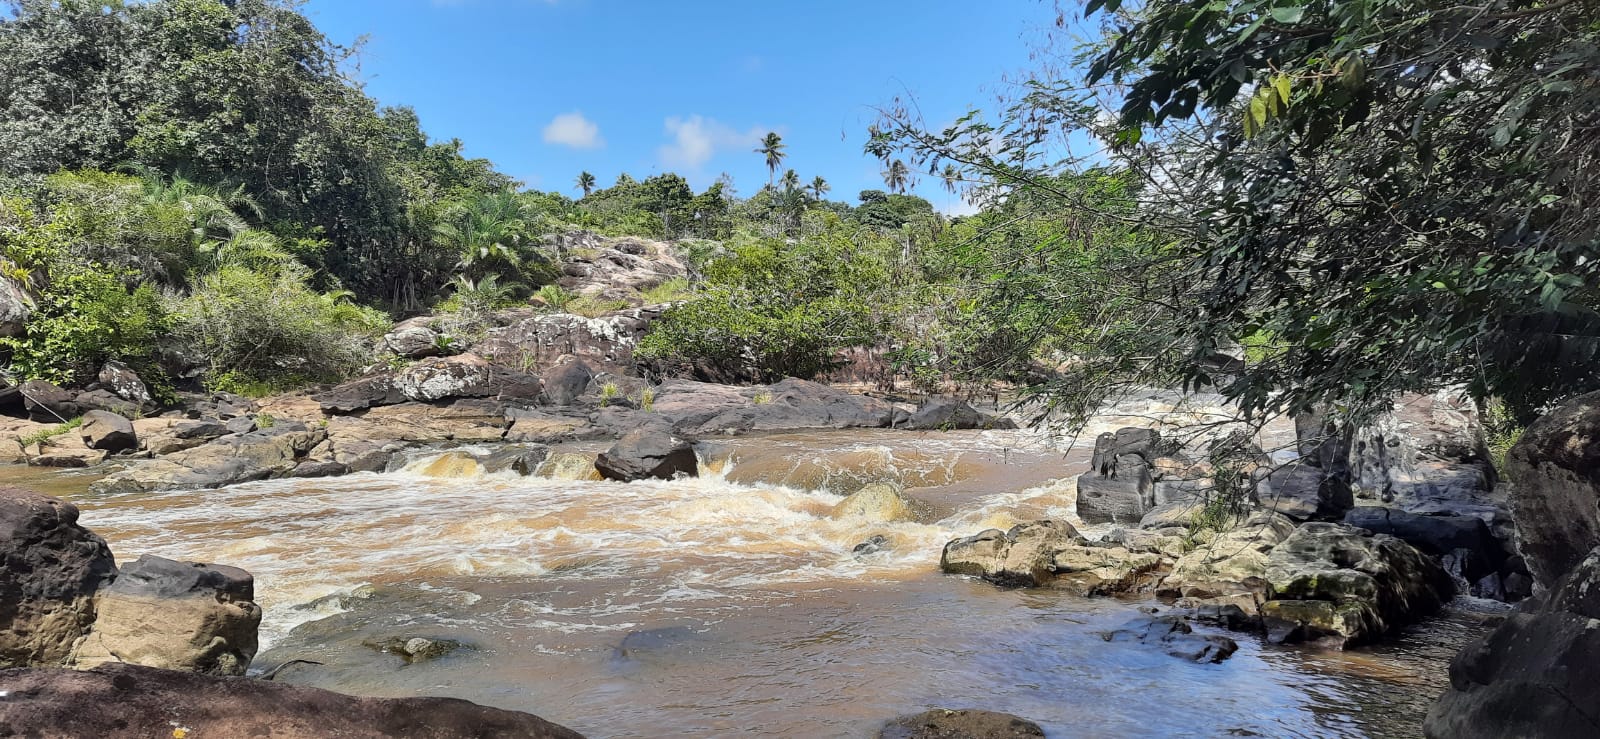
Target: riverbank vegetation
[1354, 199]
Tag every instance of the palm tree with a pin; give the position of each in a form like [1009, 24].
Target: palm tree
[897, 176]
[586, 183]
[486, 230]
[791, 181]
[772, 147]
[819, 187]
[950, 177]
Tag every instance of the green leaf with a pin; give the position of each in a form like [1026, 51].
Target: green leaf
[1288, 15]
[1281, 85]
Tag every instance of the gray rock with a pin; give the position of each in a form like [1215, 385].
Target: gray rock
[1123, 496]
[523, 459]
[413, 339]
[415, 648]
[1109, 448]
[1556, 499]
[1304, 492]
[944, 723]
[1176, 637]
[1437, 535]
[1537, 674]
[108, 432]
[565, 383]
[120, 379]
[206, 430]
[647, 453]
[944, 413]
[15, 308]
[240, 425]
[1345, 586]
[174, 615]
[1024, 556]
[116, 700]
[50, 570]
[47, 403]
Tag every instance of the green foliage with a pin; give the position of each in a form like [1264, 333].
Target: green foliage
[270, 327]
[768, 309]
[45, 434]
[84, 312]
[555, 296]
[590, 306]
[670, 291]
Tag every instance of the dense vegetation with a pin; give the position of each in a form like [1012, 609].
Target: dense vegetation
[1356, 198]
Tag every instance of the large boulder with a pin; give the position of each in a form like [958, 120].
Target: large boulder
[566, 382]
[1537, 674]
[464, 376]
[135, 701]
[15, 308]
[413, 338]
[1555, 468]
[1232, 564]
[1342, 586]
[944, 723]
[647, 453]
[1023, 556]
[48, 403]
[1123, 495]
[1439, 535]
[50, 569]
[174, 615]
[121, 380]
[1304, 492]
[108, 432]
[540, 340]
[944, 414]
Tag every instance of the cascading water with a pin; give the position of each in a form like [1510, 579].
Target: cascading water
[730, 604]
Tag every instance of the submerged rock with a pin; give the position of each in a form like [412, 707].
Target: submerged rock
[944, 723]
[236, 458]
[415, 648]
[647, 453]
[131, 700]
[1176, 637]
[50, 569]
[175, 615]
[1537, 674]
[878, 502]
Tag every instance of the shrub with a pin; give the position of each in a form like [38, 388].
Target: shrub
[84, 314]
[270, 327]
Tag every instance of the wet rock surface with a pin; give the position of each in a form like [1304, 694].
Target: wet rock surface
[647, 453]
[1173, 635]
[130, 700]
[1556, 499]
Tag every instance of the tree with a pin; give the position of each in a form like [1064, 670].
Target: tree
[951, 178]
[896, 176]
[772, 148]
[489, 233]
[819, 187]
[790, 181]
[585, 183]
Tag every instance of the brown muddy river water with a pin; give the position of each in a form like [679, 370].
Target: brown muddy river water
[732, 604]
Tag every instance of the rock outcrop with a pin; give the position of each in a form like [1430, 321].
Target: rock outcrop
[235, 458]
[1118, 488]
[944, 723]
[1023, 556]
[1555, 467]
[50, 569]
[135, 701]
[15, 308]
[1537, 674]
[1344, 586]
[174, 615]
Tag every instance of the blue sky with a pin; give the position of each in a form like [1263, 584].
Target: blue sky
[548, 88]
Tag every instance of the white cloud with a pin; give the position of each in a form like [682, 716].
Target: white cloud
[696, 139]
[572, 129]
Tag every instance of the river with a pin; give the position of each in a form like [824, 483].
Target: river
[734, 604]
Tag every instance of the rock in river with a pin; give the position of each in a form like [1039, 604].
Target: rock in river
[175, 615]
[646, 453]
[944, 723]
[50, 569]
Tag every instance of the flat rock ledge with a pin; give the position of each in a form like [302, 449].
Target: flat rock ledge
[131, 701]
